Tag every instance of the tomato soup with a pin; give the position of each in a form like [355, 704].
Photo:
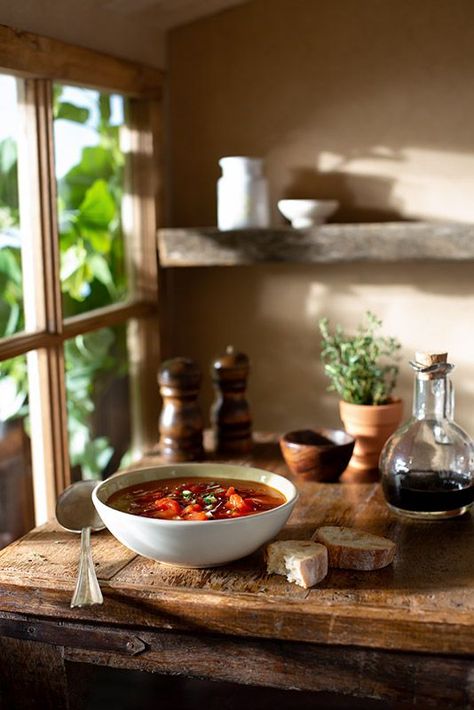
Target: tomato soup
[196, 499]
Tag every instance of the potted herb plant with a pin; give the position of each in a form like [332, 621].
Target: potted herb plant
[363, 370]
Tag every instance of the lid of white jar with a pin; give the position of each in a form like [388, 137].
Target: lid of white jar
[241, 164]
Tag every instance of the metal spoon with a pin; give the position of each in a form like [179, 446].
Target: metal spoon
[75, 512]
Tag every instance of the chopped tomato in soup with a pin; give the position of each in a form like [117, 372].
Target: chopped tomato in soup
[196, 499]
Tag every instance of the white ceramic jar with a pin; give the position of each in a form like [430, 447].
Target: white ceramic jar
[242, 194]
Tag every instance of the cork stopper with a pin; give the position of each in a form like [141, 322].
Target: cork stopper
[427, 359]
[430, 360]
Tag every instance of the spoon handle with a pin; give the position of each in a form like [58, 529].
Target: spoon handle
[87, 590]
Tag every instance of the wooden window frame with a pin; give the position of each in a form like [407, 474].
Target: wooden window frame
[39, 62]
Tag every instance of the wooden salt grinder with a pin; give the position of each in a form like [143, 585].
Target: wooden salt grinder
[230, 413]
[181, 423]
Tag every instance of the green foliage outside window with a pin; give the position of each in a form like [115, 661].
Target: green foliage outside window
[93, 275]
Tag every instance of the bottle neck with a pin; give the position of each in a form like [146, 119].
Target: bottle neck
[433, 399]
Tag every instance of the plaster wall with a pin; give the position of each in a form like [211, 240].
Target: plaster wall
[369, 102]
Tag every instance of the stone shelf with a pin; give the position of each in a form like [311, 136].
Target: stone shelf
[329, 243]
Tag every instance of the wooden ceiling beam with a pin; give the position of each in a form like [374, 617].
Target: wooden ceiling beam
[27, 54]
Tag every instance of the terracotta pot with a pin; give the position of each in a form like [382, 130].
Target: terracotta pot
[371, 425]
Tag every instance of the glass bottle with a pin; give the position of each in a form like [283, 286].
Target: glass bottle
[427, 465]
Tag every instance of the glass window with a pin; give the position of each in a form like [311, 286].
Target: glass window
[11, 297]
[16, 487]
[106, 226]
[89, 168]
[98, 401]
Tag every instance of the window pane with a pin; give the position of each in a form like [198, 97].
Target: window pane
[11, 299]
[16, 487]
[98, 401]
[90, 179]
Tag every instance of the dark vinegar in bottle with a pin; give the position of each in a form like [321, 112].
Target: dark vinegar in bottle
[429, 491]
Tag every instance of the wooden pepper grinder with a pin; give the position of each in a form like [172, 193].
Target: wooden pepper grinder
[230, 413]
[181, 422]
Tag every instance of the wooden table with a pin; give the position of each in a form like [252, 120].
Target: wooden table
[401, 634]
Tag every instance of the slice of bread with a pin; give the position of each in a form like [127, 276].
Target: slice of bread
[301, 561]
[355, 549]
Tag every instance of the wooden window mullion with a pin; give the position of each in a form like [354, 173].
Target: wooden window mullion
[42, 296]
[140, 218]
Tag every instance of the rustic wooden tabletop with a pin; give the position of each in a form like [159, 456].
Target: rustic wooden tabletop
[404, 633]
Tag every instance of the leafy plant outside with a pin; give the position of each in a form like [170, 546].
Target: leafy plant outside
[362, 368]
[93, 275]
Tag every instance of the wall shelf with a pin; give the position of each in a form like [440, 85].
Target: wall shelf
[327, 244]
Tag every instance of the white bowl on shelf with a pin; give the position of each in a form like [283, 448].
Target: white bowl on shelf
[304, 214]
[188, 543]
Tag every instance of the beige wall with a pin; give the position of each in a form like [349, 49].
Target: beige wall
[369, 101]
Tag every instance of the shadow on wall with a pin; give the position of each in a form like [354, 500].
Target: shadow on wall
[356, 193]
[271, 313]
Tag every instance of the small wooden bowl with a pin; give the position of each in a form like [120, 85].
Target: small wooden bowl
[317, 454]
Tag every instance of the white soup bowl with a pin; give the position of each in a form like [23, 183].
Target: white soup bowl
[200, 543]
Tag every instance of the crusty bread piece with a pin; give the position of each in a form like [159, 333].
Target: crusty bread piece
[302, 561]
[355, 549]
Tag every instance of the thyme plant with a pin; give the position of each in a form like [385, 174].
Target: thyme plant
[363, 367]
